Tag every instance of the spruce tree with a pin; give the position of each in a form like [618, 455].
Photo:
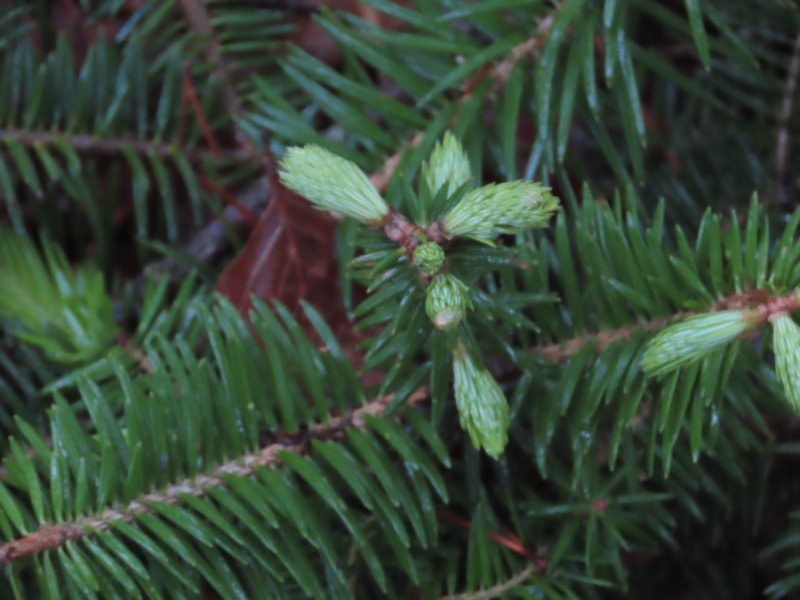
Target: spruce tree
[421, 299]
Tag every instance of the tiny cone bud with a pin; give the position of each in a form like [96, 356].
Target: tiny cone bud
[482, 406]
[448, 166]
[332, 183]
[496, 209]
[429, 257]
[447, 300]
[786, 345]
[693, 338]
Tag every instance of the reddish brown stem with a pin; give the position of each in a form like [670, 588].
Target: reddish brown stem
[779, 305]
[128, 346]
[200, 23]
[509, 539]
[190, 96]
[402, 232]
[246, 214]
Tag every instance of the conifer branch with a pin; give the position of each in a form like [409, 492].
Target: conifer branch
[759, 300]
[562, 351]
[51, 536]
[200, 23]
[85, 143]
[497, 74]
[502, 71]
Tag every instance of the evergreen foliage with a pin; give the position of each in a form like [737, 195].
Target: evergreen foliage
[626, 370]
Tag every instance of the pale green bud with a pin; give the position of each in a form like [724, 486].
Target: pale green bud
[447, 300]
[495, 209]
[482, 406]
[429, 257]
[693, 338]
[448, 166]
[786, 345]
[332, 183]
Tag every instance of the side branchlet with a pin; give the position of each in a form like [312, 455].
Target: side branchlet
[695, 337]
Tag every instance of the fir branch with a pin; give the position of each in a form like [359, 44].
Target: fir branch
[562, 351]
[51, 536]
[200, 23]
[85, 143]
[759, 300]
[498, 74]
[502, 71]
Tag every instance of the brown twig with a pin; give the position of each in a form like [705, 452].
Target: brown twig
[200, 23]
[190, 97]
[51, 536]
[502, 71]
[758, 300]
[124, 342]
[380, 178]
[787, 103]
[245, 213]
[509, 539]
[498, 590]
